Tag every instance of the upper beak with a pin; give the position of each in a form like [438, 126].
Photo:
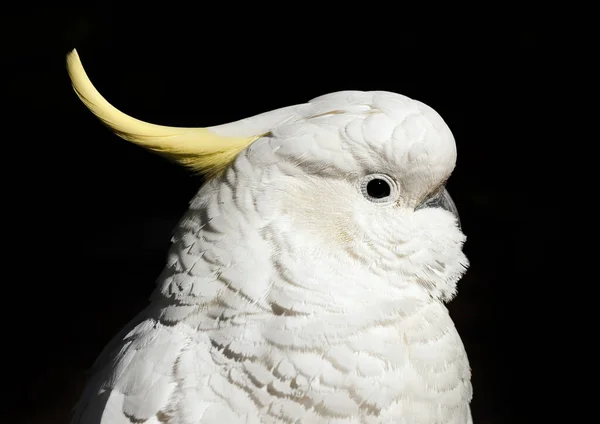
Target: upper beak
[441, 200]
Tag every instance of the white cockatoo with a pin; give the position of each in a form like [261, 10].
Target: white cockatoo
[307, 282]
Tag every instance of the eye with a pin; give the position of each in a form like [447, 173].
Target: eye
[379, 188]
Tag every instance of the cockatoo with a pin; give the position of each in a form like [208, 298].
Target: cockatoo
[307, 282]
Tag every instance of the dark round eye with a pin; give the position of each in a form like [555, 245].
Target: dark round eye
[378, 188]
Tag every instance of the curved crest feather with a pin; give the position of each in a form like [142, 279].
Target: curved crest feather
[199, 149]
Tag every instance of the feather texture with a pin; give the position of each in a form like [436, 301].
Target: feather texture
[288, 296]
[200, 149]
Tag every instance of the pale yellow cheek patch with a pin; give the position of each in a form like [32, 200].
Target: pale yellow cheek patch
[323, 207]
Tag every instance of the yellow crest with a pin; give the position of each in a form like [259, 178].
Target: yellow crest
[200, 149]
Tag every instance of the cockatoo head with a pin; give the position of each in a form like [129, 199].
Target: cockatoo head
[351, 183]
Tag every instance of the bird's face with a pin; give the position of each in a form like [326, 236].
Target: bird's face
[368, 182]
[352, 182]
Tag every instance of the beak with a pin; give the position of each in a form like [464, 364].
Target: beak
[442, 200]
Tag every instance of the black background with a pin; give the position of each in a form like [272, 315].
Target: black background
[91, 215]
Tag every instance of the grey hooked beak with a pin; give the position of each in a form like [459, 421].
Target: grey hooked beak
[442, 200]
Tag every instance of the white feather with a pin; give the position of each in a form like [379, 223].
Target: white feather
[290, 297]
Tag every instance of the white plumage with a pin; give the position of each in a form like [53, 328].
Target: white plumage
[291, 295]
